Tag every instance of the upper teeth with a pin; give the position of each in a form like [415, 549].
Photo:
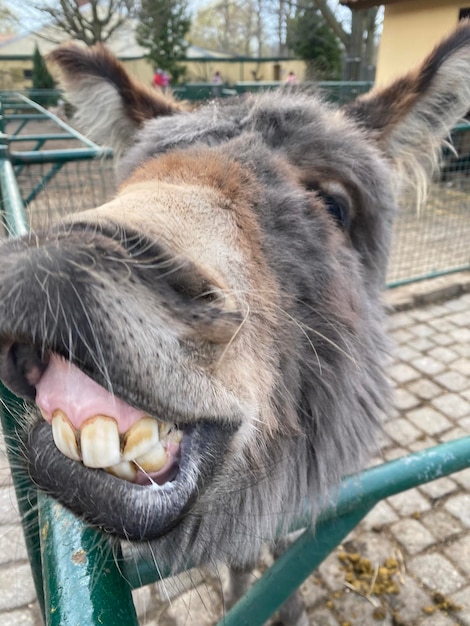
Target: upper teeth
[99, 441]
[99, 444]
[140, 438]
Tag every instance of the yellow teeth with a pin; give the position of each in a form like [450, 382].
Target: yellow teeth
[64, 435]
[99, 444]
[140, 438]
[124, 470]
[153, 460]
[99, 441]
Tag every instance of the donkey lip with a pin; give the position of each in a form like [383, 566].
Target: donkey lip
[117, 505]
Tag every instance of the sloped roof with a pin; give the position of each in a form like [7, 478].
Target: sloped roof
[122, 43]
[366, 4]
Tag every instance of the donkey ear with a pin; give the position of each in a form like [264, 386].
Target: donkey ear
[109, 103]
[413, 116]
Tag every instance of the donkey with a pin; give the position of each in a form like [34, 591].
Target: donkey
[203, 355]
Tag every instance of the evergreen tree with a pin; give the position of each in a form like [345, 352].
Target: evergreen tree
[42, 79]
[162, 28]
[311, 39]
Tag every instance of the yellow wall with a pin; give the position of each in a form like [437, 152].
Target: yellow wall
[11, 72]
[410, 31]
[198, 72]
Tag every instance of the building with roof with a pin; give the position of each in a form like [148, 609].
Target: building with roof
[16, 54]
[411, 28]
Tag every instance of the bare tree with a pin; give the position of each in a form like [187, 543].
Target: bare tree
[359, 41]
[8, 20]
[90, 21]
[231, 26]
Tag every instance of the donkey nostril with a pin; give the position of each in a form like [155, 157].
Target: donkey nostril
[21, 368]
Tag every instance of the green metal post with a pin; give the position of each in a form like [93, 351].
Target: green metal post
[82, 584]
[12, 209]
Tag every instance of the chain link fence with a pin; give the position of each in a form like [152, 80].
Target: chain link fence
[56, 175]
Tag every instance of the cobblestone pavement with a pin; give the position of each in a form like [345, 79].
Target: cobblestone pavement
[415, 545]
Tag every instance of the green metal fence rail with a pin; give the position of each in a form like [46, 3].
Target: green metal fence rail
[80, 575]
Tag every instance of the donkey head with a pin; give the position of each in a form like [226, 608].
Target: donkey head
[203, 354]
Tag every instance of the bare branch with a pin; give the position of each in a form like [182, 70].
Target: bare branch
[333, 23]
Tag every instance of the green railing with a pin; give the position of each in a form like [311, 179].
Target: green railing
[81, 576]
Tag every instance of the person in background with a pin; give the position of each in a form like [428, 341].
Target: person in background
[158, 78]
[291, 78]
[217, 82]
[165, 81]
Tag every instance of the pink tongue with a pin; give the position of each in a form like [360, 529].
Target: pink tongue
[63, 386]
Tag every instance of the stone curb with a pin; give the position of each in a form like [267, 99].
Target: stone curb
[430, 291]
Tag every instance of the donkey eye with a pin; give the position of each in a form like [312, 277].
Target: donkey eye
[339, 207]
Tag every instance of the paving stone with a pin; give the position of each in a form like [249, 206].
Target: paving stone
[401, 336]
[8, 506]
[438, 619]
[455, 433]
[406, 353]
[201, 606]
[403, 432]
[456, 304]
[358, 610]
[428, 419]
[412, 535]
[374, 546]
[400, 320]
[381, 515]
[462, 599]
[443, 354]
[395, 453]
[323, 617]
[441, 524]
[452, 405]
[443, 324]
[142, 598]
[427, 365]
[12, 545]
[423, 443]
[459, 506]
[410, 601]
[436, 572]
[461, 365]
[443, 339]
[5, 473]
[422, 330]
[422, 344]
[463, 478]
[425, 389]
[331, 574]
[453, 381]
[461, 334]
[409, 503]
[463, 349]
[464, 423]
[23, 617]
[439, 488]
[430, 313]
[403, 373]
[312, 592]
[404, 400]
[461, 319]
[17, 587]
[459, 553]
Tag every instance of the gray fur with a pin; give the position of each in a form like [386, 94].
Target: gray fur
[317, 332]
